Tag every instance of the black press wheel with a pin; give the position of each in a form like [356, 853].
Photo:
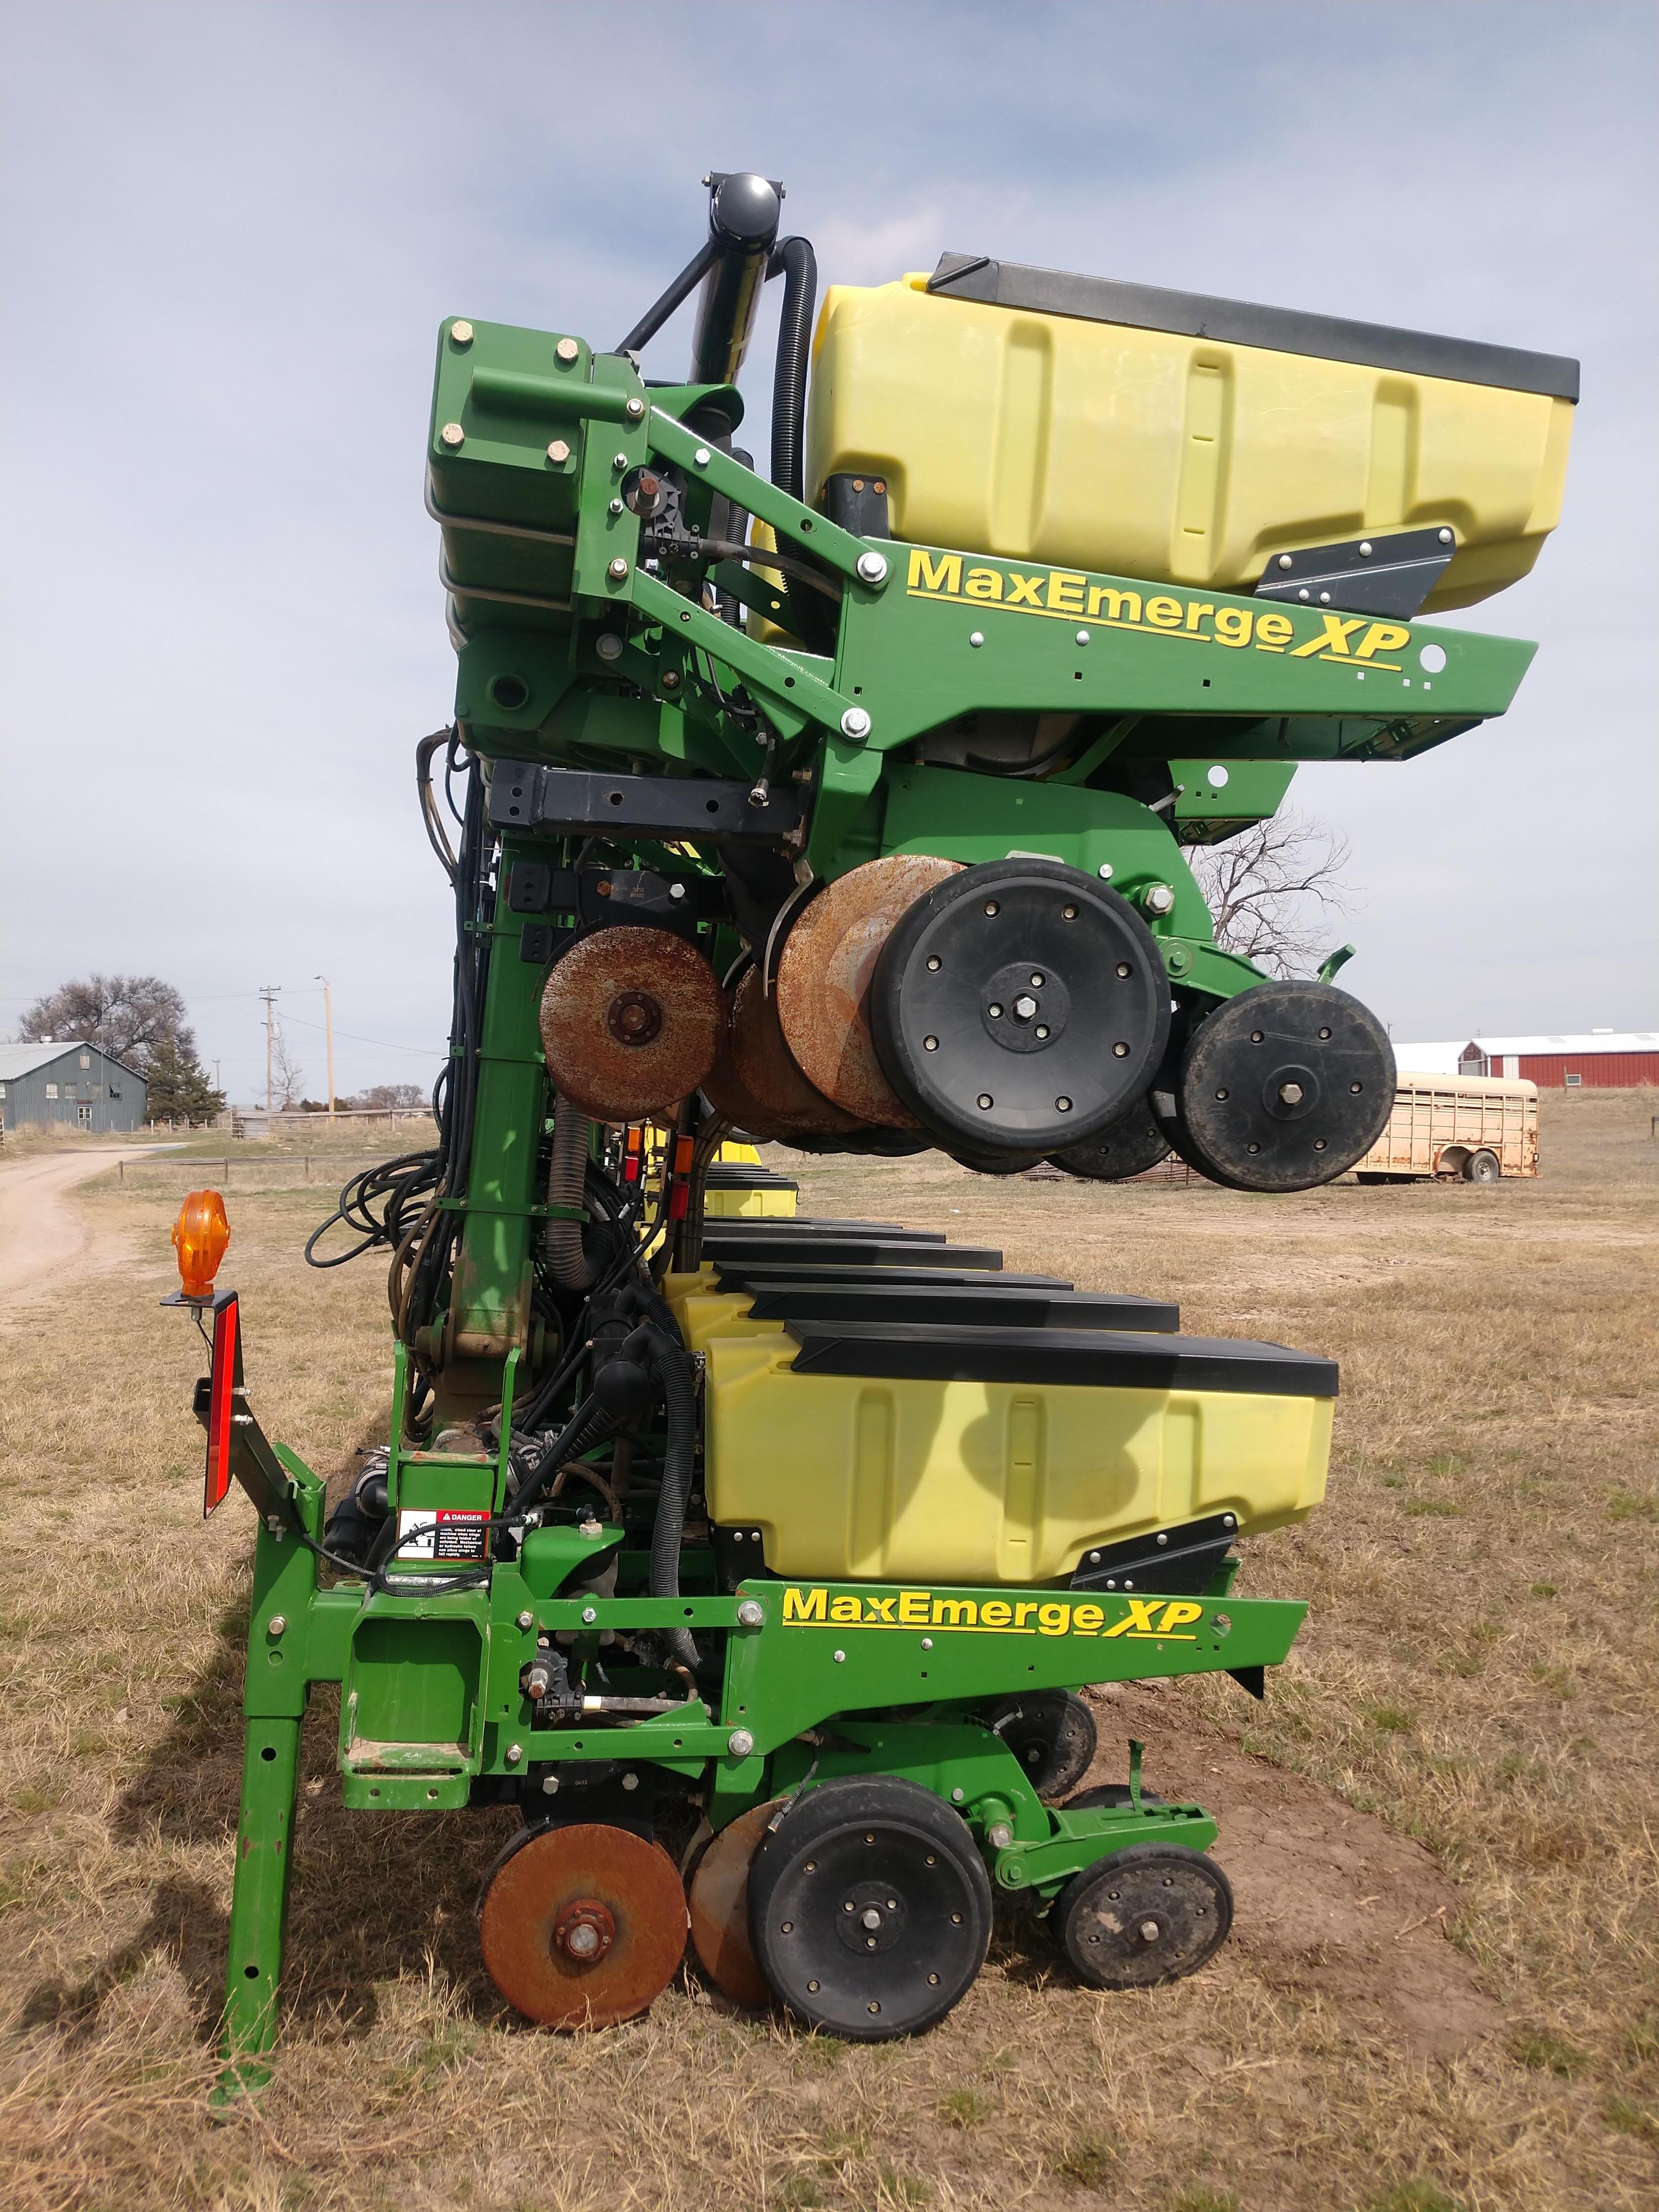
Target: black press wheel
[1150, 1913]
[1283, 1088]
[1018, 1007]
[869, 1909]
[1482, 1167]
[1126, 1147]
[1051, 1733]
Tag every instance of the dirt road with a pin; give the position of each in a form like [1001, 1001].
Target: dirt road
[45, 1238]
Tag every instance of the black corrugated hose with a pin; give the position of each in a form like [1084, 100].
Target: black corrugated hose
[794, 260]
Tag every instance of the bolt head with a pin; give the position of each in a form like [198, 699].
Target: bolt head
[515, 1753]
[460, 334]
[1157, 898]
[855, 723]
[635, 410]
[453, 434]
[841, 1658]
[608, 647]
[740, 1743]
[630, 1782]
[1445, 537]
[589, 1614]
[701, 457]
[926, 1642]
[567, 351]
[873, 568]
[527, 1620]
[618, 568]
[1366, 546]
[1104, 872]
[277, 1625]
[958, 1797]
[1283, 560]
[751, 1613]
[1083, 637]
[559, 450]
[976, 637]
[999, 1835]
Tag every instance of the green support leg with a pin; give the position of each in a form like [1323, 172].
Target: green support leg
[258, 1910]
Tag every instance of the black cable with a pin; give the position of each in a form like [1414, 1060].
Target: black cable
[676, 296]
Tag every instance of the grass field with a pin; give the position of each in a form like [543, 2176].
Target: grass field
[1444, 1988]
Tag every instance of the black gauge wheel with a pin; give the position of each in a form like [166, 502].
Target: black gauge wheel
[869, 1909]
[1051, 1733]
[1126, 1147]
[1018, 1007]
[1151, 1913]
[1283, 1088]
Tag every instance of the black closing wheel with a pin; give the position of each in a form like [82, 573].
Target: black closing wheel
[1283, 1088]
[1126, 1147]
[1051, 1733]
[869, 1908]
[1148, 1914]
[1017, 1006]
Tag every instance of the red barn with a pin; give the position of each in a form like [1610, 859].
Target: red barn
[1605, 1060]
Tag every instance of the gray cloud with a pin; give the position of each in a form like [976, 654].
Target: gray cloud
[235, 232]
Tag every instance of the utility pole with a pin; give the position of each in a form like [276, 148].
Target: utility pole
[328, 1025]
[268, 993]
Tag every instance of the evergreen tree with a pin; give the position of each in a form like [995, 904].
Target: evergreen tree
[179, 1087]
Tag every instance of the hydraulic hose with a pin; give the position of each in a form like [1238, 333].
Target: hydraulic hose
[673, 1372]
[794, 258]
[566, 1179]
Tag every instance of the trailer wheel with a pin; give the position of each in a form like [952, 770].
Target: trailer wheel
[1482, 1167]
[1051, 1733]
[1151, 1913]
[870, 1908]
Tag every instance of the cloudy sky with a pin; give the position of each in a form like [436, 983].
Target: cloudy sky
[233, 228]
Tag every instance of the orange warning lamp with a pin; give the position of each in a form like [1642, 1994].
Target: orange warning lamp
[199, 1238]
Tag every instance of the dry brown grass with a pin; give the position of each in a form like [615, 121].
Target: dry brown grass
[1477, 1673]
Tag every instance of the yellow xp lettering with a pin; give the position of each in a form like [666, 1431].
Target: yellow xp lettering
[1066, 595]
[817, 1605]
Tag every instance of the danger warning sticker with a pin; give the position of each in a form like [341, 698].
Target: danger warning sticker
[443, 1533]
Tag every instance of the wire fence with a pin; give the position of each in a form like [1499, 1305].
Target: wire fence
[169, 1174]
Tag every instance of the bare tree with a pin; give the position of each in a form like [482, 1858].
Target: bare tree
[1274, 891]
[126, 1016]
[286, 1076]
[389, 1097]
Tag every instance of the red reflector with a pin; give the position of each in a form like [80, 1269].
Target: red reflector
[678, 1198]
[221, 1406]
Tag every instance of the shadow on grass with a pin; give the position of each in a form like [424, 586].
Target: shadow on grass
[186, 1924]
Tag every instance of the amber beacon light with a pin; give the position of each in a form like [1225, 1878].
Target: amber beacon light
[199, 1238]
